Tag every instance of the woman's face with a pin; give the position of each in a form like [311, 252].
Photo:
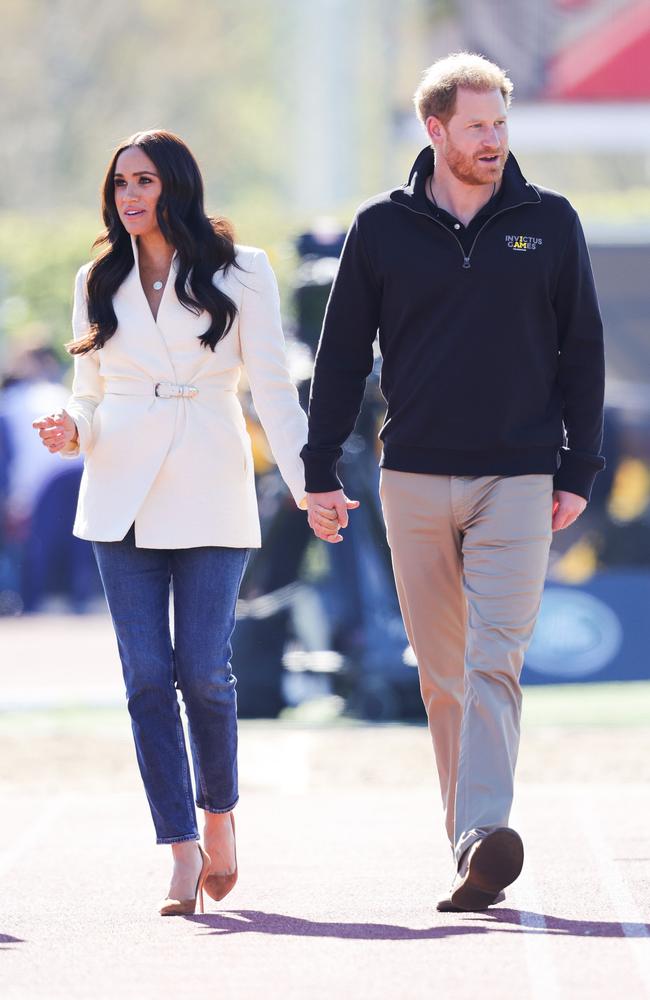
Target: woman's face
[137, 190]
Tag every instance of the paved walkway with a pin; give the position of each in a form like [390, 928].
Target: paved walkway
[59, 660]
[341, 857]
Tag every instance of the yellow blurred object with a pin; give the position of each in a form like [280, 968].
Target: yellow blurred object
[262, 458]
[578, 563]
[630, 493]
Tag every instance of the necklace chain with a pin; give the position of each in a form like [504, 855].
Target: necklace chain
[158, 283]
[433, 197]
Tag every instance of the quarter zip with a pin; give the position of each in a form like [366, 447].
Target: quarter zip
[467, 258]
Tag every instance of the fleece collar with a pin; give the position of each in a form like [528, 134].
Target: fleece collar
[515, 189]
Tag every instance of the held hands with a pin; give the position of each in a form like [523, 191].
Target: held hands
[327, 513]
[567, 508]
[57, 431]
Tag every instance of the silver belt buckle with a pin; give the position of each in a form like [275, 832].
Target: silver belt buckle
[172, 390]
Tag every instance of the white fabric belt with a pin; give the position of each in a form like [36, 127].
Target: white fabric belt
[162, 390]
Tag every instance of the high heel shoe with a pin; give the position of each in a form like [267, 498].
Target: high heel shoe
[185, 907]
[218, 886]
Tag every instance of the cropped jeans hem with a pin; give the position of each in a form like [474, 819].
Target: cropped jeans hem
[177, 840]
[212, 809]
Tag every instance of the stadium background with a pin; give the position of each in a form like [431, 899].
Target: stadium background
[297, 112]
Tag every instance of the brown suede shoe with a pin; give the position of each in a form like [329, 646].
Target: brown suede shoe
[487, 867]
[218, 886]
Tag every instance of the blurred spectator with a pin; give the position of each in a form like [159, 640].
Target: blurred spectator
[31, 386]
[5, 459]
[31, 479]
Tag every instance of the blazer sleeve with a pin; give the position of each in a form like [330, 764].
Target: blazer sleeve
[87, 385]
[275, 397]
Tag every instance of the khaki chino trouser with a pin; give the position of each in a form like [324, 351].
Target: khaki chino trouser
[470, 555]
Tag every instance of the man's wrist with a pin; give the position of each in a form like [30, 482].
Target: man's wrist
[320, 470]
[324, 493]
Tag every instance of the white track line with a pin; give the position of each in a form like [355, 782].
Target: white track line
[624, 909]
[544, 984]
[35, 835]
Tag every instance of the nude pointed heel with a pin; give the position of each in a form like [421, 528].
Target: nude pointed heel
[186, 907]
[218, 886]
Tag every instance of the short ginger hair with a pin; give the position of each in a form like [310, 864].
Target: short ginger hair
[436, 94]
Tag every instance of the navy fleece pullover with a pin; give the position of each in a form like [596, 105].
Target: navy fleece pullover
[492, 352]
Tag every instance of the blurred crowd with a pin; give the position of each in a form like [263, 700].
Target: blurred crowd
[39, 556]
[44, 567]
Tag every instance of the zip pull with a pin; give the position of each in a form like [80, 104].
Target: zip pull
[466, 263]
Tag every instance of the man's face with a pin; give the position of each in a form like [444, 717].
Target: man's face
[474, 142]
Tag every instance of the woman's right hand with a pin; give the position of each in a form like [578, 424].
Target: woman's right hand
[57, 431]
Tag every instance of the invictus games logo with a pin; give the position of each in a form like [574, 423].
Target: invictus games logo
[523, 243]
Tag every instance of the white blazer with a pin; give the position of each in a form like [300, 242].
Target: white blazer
[181, 467]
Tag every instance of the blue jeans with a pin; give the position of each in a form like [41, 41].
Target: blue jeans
[205, 585]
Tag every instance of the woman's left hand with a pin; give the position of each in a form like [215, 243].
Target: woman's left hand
[326, 519]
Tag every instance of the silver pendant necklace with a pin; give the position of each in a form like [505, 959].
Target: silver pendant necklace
[159, 283]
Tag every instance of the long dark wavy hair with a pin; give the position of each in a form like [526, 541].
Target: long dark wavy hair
[204, 244]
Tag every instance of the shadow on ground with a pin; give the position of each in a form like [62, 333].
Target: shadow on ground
[504, 921]
[7, 939]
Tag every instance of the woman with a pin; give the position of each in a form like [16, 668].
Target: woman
[164, 320]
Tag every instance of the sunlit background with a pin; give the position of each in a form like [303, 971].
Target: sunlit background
[297, 111]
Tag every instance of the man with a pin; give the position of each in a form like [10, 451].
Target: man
[480, 286]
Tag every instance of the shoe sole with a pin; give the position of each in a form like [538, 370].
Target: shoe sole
[495, 863]
[446, 905]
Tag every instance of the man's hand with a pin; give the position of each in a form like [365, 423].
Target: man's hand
[567, 508]
[328, 512]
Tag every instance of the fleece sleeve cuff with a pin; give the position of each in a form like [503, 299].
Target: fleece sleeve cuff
[320, 470]
[577, 472]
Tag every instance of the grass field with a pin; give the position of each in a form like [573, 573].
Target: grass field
[610, 705]
[624, 704]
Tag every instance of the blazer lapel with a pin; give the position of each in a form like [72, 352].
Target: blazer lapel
[140, 336]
